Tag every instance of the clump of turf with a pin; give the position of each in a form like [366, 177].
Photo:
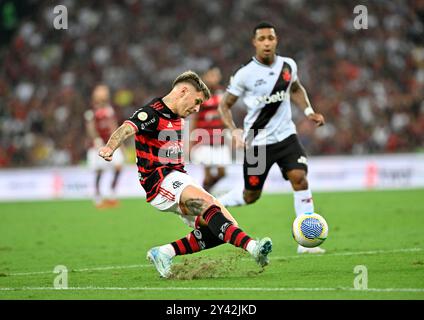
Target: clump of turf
[204, 268]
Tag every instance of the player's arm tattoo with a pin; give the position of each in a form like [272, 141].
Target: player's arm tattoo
[224, 109]
[196, 206]
[120, 135]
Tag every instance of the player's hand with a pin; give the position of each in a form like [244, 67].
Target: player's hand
[106, 153]
[318, 118]
[237, 135]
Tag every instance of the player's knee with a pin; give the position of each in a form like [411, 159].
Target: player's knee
[205, 203]
[251, 197]
[300, 183]
[195, 202]
[211, 200]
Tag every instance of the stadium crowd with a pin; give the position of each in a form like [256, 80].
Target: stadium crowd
[368, 83]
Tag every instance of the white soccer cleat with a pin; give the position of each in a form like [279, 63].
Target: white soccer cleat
[261, 251]
[301, 249]
[161, 260]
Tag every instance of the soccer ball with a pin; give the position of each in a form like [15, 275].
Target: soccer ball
[310, 230]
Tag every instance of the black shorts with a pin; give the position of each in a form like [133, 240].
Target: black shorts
[289, 154]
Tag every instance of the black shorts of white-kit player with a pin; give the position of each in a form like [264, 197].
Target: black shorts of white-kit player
[289, 154]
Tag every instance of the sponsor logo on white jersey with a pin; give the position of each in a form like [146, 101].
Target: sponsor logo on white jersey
[276, 97]
[146, 124]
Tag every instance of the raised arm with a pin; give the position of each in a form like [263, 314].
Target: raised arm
[300, 98]
[118, 136]
[224, 109]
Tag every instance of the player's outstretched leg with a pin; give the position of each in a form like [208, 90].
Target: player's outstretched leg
[215, 226]
[197, 240]
[196, 201]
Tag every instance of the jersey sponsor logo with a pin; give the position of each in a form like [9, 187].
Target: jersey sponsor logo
[142, 116]
[176, 184]
[303, 160]
[171, 149]
[148, 123]
[169, 125]
[260, 82]
[279, 96]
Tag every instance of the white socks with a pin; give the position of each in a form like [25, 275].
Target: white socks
[232, 198]
[251, 246]
[168, 249]
[303, 202]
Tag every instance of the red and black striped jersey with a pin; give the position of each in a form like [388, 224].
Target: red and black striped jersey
[158, 144]
[209, 119]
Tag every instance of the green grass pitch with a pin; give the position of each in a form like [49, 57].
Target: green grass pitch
[104, 251]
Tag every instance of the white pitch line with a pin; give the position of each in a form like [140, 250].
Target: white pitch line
[355, 253]
[211, 289]
[134, 266]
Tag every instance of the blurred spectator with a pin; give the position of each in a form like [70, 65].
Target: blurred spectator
[369, 83]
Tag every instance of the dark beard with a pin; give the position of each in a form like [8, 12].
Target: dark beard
[268, 60]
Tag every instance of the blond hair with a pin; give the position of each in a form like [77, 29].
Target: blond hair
[193, 78]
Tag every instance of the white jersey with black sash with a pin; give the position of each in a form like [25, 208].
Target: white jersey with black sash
[266, 93]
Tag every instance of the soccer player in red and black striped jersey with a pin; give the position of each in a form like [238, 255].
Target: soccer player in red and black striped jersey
[101, 122]
[157, 128]
[209, 148]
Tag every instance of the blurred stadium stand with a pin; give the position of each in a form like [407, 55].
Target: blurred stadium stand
[369, 84]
